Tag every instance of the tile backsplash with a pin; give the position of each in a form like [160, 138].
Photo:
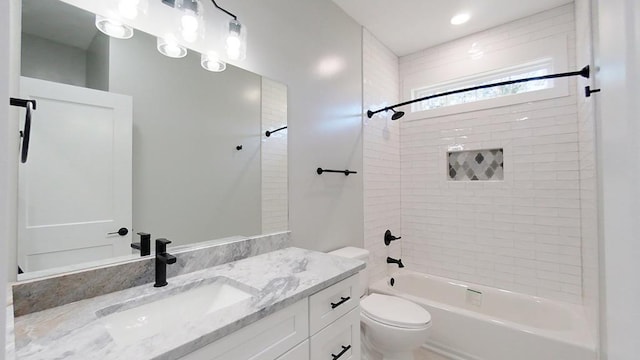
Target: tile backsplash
[476, 165]
[522, 233]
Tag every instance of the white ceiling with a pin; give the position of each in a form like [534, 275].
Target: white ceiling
[407, 26]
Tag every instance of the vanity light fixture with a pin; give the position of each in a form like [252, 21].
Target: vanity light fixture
[211, 62]
[460, 19]
[113, 28]
[235, 36]
[192, 19]
[169, 46]
[130, 9]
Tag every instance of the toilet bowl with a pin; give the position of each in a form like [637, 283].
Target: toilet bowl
[391, 327]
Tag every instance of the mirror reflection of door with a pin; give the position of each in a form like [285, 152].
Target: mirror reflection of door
[75, 188]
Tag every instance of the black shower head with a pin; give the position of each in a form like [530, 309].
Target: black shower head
[397, 114]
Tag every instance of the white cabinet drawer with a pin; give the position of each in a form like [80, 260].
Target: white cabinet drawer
[265, 339]
[343, 336]
[300, 352]
[329, 304]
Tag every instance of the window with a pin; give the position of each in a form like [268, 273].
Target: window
[531, 69]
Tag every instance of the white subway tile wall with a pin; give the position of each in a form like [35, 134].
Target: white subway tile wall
[588, 180]
[521, 234]
[381, 154]
[275, 213]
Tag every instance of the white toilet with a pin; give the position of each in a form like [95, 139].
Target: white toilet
[392, 327]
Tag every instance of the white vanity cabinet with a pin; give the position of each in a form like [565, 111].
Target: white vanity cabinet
[324, 326]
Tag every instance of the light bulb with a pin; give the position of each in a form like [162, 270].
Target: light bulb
[128, 8]
[190, 23]
[170, 47]
[235, 41]
[211, 62]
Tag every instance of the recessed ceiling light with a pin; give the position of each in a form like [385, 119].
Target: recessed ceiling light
[460, 19]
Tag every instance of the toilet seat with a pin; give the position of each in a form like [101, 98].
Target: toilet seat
[395, 311]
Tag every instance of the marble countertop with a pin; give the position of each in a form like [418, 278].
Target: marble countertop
[276, 280]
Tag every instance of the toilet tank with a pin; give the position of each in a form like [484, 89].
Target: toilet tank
[359, 254]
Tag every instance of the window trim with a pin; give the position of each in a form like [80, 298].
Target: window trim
[554, 48]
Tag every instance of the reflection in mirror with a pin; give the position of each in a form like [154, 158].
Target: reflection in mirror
[126, 141]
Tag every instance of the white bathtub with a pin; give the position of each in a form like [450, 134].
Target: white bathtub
[473, 322]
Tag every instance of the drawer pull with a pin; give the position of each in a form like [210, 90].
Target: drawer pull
[342, 301]
[344, 350]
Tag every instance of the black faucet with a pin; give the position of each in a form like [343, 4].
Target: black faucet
[162, 259]
[394, 261]
[388, 238]
[144, 245]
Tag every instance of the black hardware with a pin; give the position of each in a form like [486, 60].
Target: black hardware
[342, 301]
[394, 261]
[223, 10]
[585, 72]
[22, 103]
[388, 238]
[162, 259]
[144, 245]
[26, 133]
[588, 91]
[344, 350]
[345, 172]
[121, 232]
[239, 147]
[392, 281]
[268, 133]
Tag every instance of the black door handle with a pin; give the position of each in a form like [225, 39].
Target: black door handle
[342, 301]
[344, 350]
[121, 232]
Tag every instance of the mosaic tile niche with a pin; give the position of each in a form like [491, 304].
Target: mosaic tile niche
[476, 165]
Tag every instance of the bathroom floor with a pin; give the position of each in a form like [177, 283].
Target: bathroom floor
[424, 354]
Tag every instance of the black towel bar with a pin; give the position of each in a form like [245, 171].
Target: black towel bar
[345, 172]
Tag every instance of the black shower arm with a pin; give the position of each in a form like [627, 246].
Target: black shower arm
[585, 73]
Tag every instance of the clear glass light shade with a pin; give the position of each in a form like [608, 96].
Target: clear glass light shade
[130, 9]
[211, 62]
[236, 40]
[169, 46]
[113, 27]
[191, 17]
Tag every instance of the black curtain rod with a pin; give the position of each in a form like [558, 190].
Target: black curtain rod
[585, 73]
[345, 172]
[269, 132]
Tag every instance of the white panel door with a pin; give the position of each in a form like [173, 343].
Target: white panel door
[75, 187]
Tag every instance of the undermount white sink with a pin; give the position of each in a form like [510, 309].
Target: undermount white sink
[170, 312]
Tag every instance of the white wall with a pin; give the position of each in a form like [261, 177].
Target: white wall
[48, 60]
[315, 49]
[381, 154]
[275, 176]
[520, 234]
[618, 57]
[5, 163]
[98, 63]
[588, 181]
[9, 118]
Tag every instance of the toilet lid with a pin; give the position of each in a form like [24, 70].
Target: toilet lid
[395, 311]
